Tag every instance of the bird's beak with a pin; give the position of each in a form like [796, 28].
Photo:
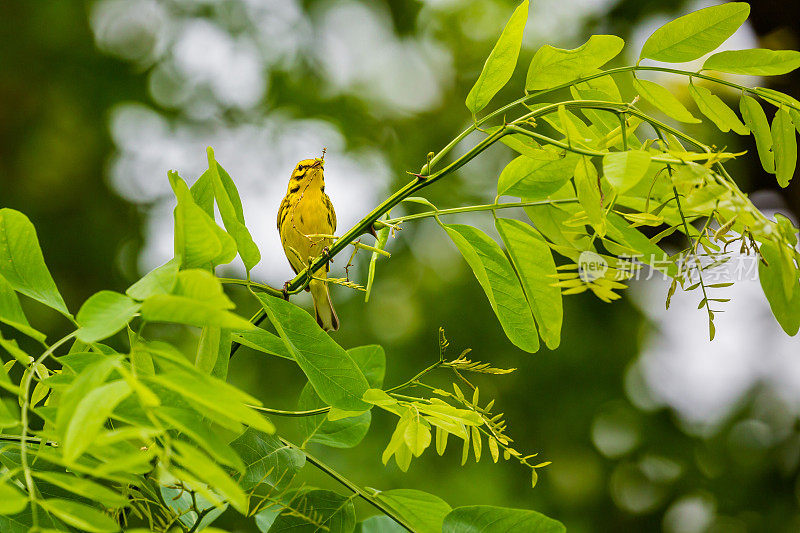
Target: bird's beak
[319, 163]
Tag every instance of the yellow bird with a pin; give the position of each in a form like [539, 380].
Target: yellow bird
[305, 218]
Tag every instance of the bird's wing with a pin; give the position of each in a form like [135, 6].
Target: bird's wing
[282, 211]
[329, 208]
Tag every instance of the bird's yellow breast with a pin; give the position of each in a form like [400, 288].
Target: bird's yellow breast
[308, 215]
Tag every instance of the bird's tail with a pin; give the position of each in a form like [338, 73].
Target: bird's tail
[323, 306]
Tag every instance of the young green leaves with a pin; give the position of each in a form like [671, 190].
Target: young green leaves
[553, 66]
[533, 261]
[104, 314]
[499, 281]
[488, 519]
[715, 109]
[22, 263]
[664, 100]
[756, 120]
[230, 208]
[11, 312]
[536, 175]
[198, 239]
[346, 432]
[335, 376]
[696, 34]
[755, 62]
[197, 299]
[783, 297]
[784, 146]
[500, 64]
[623, 170]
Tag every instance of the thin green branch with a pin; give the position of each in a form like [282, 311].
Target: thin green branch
[23, 449]
[363, 494]
[472, 208]
[281, 412]
[252, 284]
[416, 378]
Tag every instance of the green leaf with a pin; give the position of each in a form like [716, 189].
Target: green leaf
[380, 244]
[777, 98]
[203, 286]
[191, 424]
[574, 129]
[81, 516]
[379, 524]
[333, 373]
[663, 100]
[11, 312]
[371, 359]
[603, 84]
[536, 175]
[13, 348]
[624, 170]
[715, 109]
[200, 465]
[183, 503]
[212, 394]
[183, 310]
[90, 416]
[160, 280]
[756, 120]
[651, 254]
[220, 369]
[795, 118]
[424, 512]
[534, 263]
[5, 381]
[104, 314]
[22, 263]
[553, 66]
[263, 341]
[488, 519]
[588, 189]
[203, 193]
[91, 375]
[267, 459]
[550, 219]
[785, 304]
[696, 34]
[602, 122]
[230, 207]
[22, 522]
[500, 64]
[12, 500]
[334, 512]
[417, 436]
[755, 62]
[346, 432]
[84, 487]
[208, 349]
[499, 281]
[343, 433]
[198, 240]
[784, 146]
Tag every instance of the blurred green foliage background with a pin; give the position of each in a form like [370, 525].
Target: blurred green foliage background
[99, 99]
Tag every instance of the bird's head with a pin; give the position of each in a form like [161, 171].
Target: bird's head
[308, 169]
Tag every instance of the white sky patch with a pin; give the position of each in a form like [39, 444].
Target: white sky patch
[703, 381]
[359, 52]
